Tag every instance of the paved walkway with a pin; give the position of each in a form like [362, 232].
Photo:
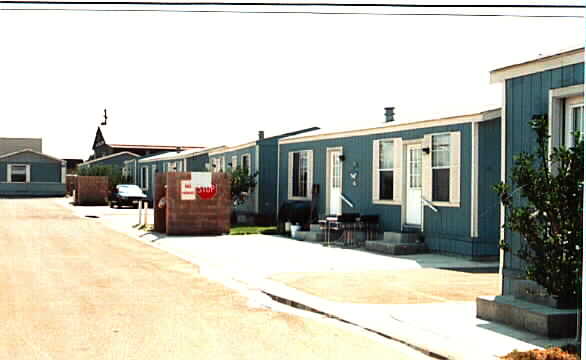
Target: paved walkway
[405, 297]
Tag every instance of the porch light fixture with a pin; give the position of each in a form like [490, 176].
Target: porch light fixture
[342, 157]
[425, 150]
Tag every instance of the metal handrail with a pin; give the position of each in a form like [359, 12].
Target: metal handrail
[428, 204]
[346, 200]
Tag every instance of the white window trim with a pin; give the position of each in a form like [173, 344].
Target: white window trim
[234, 162]
[63, 172]
[309, 175]
[397, 173]
[144, 177]
[571, 104]
[27, 174]
[455, 181]
[556, 111]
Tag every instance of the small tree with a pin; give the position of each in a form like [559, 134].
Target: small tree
[549, 215]
[243, 184]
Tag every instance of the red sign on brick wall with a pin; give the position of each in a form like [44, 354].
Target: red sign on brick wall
[207, 192]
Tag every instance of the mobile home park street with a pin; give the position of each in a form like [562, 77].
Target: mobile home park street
[75, 289]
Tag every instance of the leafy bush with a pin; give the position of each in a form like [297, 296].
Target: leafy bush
[113, 173]
[243, 185]
[549, 214]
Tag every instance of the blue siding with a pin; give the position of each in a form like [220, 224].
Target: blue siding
[45, 179]
[117, 161]
[445, 231]
[45, 172]
[489, 159]
[198, 162]
[527, 96]
[267, 179]
[250, 204]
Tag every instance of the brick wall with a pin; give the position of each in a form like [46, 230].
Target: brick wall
[196, 217]
[91, 190]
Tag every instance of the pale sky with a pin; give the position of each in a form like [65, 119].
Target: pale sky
[216, 79]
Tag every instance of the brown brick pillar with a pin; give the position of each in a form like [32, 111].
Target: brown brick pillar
[92, 190]
[199, 216]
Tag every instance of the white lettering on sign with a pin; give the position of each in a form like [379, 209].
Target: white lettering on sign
[187, 190]
[207, 193]
[201, 179]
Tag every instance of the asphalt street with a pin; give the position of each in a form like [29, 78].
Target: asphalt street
[72, 288]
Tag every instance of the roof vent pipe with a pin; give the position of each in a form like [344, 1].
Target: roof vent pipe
[389, 114]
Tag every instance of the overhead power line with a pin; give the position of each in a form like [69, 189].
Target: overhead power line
[293, 12]
[320, 4]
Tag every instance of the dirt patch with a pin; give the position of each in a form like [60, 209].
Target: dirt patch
[417, 286]
[554, 353]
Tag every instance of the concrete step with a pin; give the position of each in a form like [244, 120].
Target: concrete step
[402, 237]
[314, 228]
[395, 248]
[520, 314]
[411, 229]
[311, 236]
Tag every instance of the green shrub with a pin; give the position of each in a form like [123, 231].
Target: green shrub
[114, 174]
[546, 210]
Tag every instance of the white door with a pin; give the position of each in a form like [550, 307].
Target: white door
[413, 185]
[334, 182]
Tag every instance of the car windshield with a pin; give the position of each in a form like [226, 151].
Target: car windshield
[130, 190]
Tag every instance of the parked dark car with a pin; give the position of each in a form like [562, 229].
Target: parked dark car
[126, 194]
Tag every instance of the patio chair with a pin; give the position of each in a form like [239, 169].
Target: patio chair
[347, 224]
[370, 224]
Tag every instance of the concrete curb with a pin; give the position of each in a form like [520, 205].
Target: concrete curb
[432, 344]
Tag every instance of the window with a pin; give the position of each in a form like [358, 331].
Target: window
[218, 164]
[574, 120]
[18, 173]
[566, 115]
[144, 178]
[234, 164]
[246, 161]
[300, 174]
[385, 170]
[440, 167]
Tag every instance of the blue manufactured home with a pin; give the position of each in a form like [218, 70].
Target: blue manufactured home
[115, 160]
[260, 157]
[431, 176]
[143, 169]
[31, 173]
[552, 85]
